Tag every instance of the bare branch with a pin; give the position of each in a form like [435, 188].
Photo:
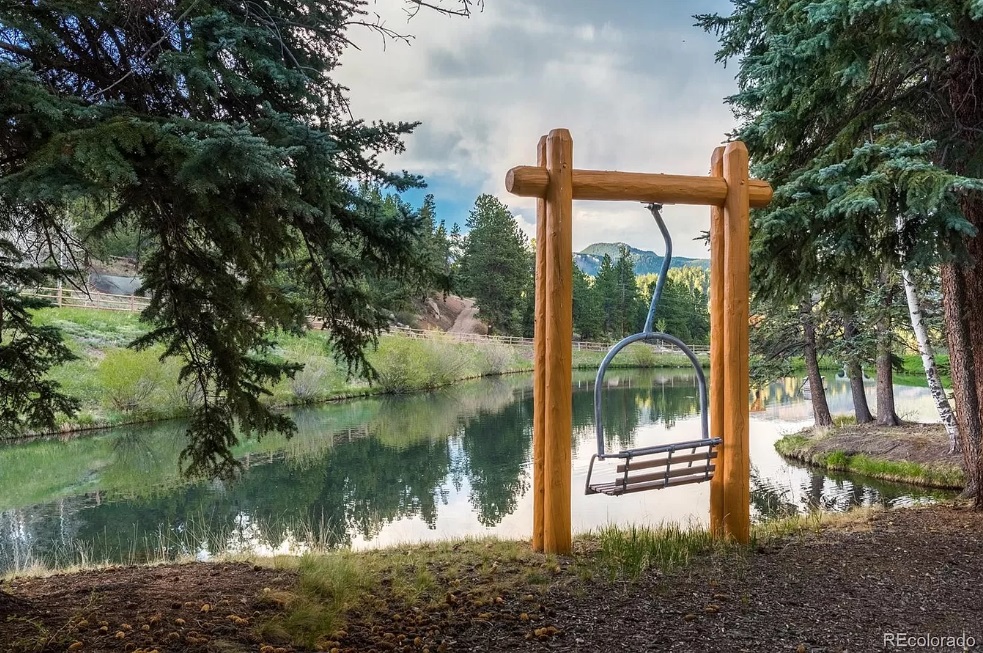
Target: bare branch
[24, 52]
[142, 58]
[464, 9]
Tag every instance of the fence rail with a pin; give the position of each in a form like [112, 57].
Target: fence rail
[514, 341]
[72, 298]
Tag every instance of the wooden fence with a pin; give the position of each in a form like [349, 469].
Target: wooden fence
[72, 298]
[515, 341]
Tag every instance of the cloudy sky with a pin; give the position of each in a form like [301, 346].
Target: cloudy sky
[633, 81]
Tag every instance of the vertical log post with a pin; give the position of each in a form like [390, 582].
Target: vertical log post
[539, 364]
[552, 182]
[735, 454]
[557, 536]
[717, 487]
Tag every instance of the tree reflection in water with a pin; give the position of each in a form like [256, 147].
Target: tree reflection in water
[352, 469]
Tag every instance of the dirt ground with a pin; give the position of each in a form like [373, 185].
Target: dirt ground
[914, 571]
[451, 313]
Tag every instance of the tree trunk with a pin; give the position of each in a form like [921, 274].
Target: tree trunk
[962, 286]
[886, 415]
[959, 335]
[946, 415]
[820, 407]
[861, 409]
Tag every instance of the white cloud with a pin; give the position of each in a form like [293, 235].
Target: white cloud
[638, 91]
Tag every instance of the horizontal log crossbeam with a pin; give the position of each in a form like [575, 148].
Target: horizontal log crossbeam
[731, 193]
[607, 185]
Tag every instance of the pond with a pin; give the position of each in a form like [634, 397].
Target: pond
[390, 470]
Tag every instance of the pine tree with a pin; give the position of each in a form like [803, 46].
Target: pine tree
[675, 310]
[587, 318]
[216, 129]
[455, 246]
[605, 291]
[819, 81]
[495, 267]
[627, 302]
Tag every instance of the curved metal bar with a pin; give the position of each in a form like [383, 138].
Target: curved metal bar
[656, 210]
[701, 381]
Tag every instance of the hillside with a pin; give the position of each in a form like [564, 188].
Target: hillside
[646, 262]
[448, 313]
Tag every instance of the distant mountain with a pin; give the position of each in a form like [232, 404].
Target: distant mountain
[589, 260]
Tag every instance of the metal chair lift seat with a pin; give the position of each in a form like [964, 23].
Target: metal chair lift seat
[658, 466]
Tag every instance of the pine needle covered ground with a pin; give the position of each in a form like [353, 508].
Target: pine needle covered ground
[808, 584]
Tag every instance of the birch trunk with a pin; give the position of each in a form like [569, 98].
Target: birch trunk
[928, 361]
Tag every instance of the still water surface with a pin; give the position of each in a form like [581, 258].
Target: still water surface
[388, 470]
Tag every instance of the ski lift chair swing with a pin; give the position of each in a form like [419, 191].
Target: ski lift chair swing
[659, 466]
[730, 192]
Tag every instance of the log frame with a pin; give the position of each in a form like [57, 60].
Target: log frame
[731, 193]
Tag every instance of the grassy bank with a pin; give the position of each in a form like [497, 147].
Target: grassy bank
[913, 372]
[333, 593]
[912, 453]
[116, 385]
[332, 598]
[476, 576]
[687, 592]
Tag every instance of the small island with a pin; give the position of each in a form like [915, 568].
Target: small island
[911, 453]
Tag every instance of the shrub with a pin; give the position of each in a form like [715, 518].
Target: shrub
[640, 355]
[129, 378]
[398, 363]
[404, 364]
[498, 358]
[446, 362]
[309, 384]
[175, 396]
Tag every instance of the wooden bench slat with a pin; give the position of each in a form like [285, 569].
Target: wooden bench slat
[657, 485]
[662, 462]
[615, 489]
[702, 470]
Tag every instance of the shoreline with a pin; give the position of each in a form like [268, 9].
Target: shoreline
[913, 453]
[366, 392]
[646, 588]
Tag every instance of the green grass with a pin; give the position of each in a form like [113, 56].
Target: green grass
[479, 574]
[400, 580]
[117, 386]
[804, 448]
[327, 587]
[810, 523]
[914, 371]
[626, 553]
[791, 444]
[798, 364]
[483, 572]
[891, 470]
[919, 379]
[637, 356]
[93, 328]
